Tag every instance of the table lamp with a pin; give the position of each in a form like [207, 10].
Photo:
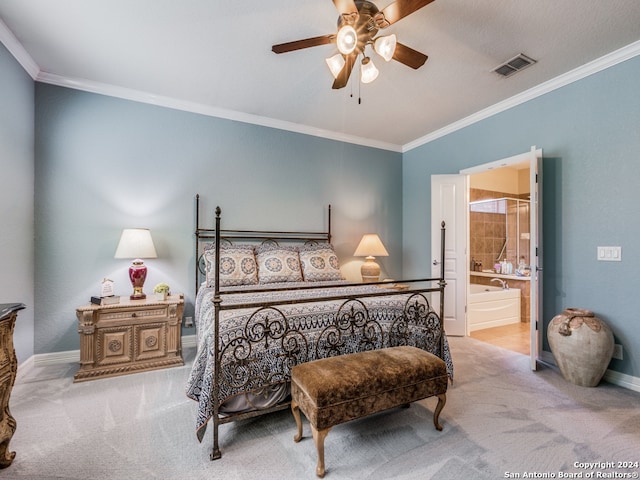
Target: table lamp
[370, 246]
[136, 243]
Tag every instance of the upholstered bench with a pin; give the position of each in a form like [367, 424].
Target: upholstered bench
[338, 389]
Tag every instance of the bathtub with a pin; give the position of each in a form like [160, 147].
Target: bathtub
[492, 306]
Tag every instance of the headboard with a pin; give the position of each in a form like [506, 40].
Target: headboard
[204, 235]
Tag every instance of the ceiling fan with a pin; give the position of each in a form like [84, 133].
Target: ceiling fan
[358, 25]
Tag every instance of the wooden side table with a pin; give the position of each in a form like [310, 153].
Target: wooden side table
[8, 370]
[128, 337]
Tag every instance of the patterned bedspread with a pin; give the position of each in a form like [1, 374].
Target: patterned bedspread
[258, 347]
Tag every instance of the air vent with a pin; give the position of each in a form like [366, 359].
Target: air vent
[514, 65]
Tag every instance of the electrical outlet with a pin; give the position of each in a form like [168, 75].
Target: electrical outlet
[188, 322]
[617, 351]
[609, 254]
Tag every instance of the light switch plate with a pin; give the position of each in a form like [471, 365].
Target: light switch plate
[609, 254]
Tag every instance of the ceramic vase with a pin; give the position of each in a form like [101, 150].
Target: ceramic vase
[582, 345]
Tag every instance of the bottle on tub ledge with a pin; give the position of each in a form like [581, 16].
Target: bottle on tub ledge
[475, 266]
[522, 267]
[506, 268]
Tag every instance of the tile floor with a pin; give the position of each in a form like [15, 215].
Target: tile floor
[513, 337]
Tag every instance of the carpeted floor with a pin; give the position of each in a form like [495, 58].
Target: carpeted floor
[501, 421]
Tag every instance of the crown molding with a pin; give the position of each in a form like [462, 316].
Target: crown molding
[595, 66]
[9, 40]
[193, 107]
[22, 56]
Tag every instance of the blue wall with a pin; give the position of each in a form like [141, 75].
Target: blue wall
[103, 164]
[16, 197]
[590, 135]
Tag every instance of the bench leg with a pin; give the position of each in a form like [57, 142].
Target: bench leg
[318, 438]
[296, 414]
[442, 399]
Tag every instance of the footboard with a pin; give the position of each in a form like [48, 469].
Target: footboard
[258, 355]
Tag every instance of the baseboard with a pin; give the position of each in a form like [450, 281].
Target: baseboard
[24, 368]
[547, 357]
[622, 380]
[72, 356]
[616, 378]
[189, 341]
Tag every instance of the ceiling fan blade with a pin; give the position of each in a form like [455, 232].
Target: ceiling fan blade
[300, 44]
[346, 6]
[343, 77]
[410, 57]
[401, 8]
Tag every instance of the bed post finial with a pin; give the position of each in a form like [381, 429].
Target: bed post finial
[218, 212]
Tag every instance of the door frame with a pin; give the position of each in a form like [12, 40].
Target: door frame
[534, 157]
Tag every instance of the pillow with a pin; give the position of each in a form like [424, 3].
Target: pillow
[278, 264]
[237, 265]
[319, 263]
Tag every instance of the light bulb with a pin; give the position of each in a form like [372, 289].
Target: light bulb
[347, 39]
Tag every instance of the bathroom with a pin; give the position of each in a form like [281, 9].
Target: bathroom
[499, 249]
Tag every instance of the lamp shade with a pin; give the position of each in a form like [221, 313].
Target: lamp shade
[368, 71]
[371, 246]
[336, 64]
[136, 243]
[385, 46]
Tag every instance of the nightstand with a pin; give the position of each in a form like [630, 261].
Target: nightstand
[128, 337]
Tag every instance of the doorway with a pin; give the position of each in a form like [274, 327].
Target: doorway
[499, 248]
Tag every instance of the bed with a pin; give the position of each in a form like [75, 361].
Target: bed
[278, 299]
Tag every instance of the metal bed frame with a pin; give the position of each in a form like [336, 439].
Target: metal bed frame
[268, 323]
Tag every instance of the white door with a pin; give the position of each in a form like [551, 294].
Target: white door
[534, 158]
[535, 255]
[449, 204]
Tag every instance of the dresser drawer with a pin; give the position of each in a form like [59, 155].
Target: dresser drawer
[129, 314]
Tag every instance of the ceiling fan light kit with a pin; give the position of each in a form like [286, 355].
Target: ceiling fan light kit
[358, 25]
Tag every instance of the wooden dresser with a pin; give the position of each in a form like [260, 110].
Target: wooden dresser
[128, 337]
[8, 369]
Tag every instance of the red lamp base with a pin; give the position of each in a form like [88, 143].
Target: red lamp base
[137, 275]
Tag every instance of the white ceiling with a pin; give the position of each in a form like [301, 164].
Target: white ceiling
[214, 57]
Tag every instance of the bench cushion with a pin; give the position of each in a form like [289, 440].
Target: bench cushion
[335, 390]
